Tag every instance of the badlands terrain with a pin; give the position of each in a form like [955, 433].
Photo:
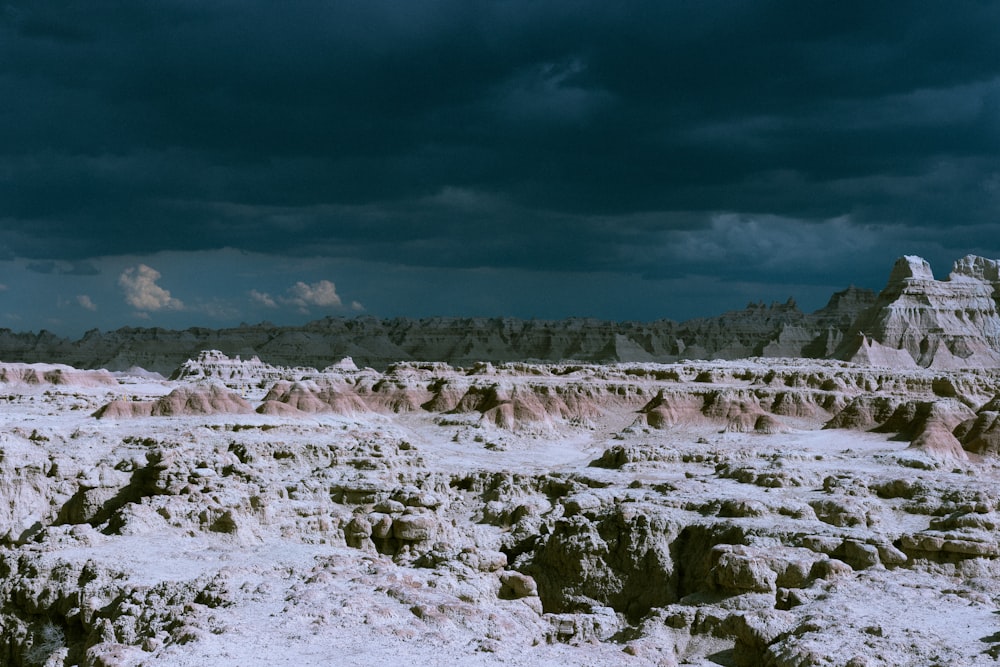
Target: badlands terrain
[770, 510]
[775, 330]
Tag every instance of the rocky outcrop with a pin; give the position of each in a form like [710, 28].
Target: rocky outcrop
[310, 396]
[946, 415]
[53, 375]
[203, 399]
[919, 321]
[214, 365]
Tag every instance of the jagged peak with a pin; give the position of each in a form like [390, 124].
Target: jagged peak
[910, 267]
[790, 304]
[849, 299]
[942, 324]
[979, 268]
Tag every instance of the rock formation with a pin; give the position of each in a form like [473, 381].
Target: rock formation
[53, 374]
[233, 372]
[919, 321]
[204, 399]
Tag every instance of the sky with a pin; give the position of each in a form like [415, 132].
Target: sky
[188, 163]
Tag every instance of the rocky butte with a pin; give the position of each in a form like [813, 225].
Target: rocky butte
[919, 321]
[774, 509]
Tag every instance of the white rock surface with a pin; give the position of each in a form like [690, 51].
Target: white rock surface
[757, 512]
[919, 321]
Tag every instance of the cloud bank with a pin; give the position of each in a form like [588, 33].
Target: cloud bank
[305, 296]
[449, 137]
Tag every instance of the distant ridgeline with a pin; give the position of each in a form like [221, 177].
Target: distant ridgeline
[777, 330]
[914, 321]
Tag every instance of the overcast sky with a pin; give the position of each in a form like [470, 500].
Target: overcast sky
[206, 163]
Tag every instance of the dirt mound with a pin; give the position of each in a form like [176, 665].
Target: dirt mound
[200, 399]
[312, 396]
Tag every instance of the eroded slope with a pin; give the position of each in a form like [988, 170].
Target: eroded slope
[742, 513]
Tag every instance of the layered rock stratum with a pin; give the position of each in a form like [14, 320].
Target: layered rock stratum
[919, 321]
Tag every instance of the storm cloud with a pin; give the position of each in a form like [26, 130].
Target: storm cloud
[775, 142]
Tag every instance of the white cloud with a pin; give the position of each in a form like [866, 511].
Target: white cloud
[142, 292]
[263, 298]
[85, 302]
[322, 294]
[3, 288]
[304, 296]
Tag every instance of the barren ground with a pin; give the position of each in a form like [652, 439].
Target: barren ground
[652, 515]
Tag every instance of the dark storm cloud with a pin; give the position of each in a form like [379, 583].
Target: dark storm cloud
[560, 135]
[77, 268]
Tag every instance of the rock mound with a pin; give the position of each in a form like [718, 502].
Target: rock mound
[200, 399]
[53, 374]
[311, 396]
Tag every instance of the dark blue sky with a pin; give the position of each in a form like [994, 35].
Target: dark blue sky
[188, 163]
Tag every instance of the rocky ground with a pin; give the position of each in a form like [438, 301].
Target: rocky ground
[761, 512]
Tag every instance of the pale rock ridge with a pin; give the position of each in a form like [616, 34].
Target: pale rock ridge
[233, 372]
[977, 268]
[910, 267]
[872, 353]
[312, 396]
[951, 414]
[53, 374]
[200, 399]
[952, 323]
[346, 364]
[737, 411]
